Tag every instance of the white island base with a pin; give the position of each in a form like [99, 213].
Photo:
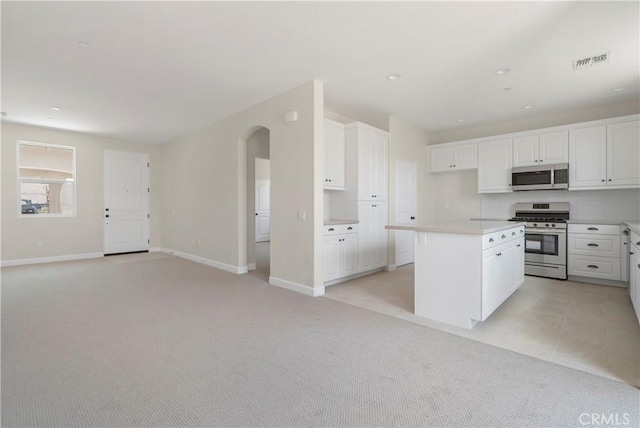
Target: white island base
[464, 271]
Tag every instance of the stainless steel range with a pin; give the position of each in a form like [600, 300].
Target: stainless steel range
[545, 240]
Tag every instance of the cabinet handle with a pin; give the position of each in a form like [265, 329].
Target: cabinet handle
[413, 218]
[349, 228]
[639, 266]
[518, 245]
[593, 228]
[454, 166]
[593, 267]
[591, 244]
[504, 236]
[536, 160]
[499, 254]
[631, 253]
[541, 160]
[521, 231]
[638, 243]
[331, 229]
[490, 239]
[609, 179]
[603, 180]
[513, 234]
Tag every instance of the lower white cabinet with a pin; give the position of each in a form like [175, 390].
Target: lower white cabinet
[502, 274]
[340, 251]
[634, 273]
[372, 240]
[593, 251]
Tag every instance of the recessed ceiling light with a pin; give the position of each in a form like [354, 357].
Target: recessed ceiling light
[56, 108]
[393, 76]
[527, 107]
[502, 71]
[618, 89]
[460, 120]
[84, 44]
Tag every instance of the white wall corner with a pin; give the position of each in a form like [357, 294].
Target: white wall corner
[390, 268]
[251, 266]
[298, 288]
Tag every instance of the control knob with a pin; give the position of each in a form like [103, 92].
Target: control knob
[553, 225]
[535, 224]
[547, 225]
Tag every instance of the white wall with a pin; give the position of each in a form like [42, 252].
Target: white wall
[263, 169]
[82, 234]
[208, 167]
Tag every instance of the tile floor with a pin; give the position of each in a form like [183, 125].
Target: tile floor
[587, 327]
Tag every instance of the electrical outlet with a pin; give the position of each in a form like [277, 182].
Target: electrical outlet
[39, 243]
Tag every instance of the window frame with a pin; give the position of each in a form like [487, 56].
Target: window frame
[20, 180]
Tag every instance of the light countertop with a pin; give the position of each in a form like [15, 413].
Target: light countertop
[634, 226]
[592, 221]
[333, 221]
[469, 227]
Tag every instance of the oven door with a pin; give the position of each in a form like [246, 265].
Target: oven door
[545, 246]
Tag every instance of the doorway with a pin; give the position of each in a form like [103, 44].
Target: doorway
[405, 209]
[259, 204]
[126, 202]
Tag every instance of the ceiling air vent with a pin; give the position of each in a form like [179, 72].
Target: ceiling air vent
[592, 60]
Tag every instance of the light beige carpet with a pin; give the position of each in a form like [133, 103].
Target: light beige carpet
[169, 342]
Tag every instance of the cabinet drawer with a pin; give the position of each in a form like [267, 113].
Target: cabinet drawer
[594, 267]
[492, 239]
[600, 229]
[594, 245]
[338, 229]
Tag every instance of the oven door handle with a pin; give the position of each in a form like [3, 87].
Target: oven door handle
[547, 231]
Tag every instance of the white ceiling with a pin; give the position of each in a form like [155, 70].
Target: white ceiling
[157, 70]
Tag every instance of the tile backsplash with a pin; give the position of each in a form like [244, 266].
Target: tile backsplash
[584, 204]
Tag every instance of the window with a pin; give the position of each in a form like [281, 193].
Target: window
[46, 180]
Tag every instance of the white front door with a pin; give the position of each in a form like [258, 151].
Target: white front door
[263, 197]
[126, 202]
[405, 209]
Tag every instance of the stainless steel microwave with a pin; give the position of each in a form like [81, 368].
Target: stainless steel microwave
[540, 177]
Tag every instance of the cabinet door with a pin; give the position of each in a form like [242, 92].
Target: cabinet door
[491, 281]
[349, 254]
[380, 170]
[365, 235]
[623, 154]
[380, 247]
[494, 166]
[331, 257]
[588, 157]
[334, 155]
[440, 159]
[526, 150]
[634, 278]
[554, 147]
[366, 164]
[465, 156]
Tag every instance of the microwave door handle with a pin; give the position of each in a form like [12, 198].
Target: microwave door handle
[553, 177]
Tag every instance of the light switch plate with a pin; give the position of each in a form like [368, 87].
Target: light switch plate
[302, 215]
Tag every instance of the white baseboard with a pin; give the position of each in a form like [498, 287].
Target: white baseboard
[251, 266]
[390, 268]
[157, 250]
[208, 262]
[294, 286]
[65, 258]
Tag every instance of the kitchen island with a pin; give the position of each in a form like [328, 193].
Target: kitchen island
[465, 270]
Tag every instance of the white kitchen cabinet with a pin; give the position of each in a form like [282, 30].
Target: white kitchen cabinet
[334, 155]
[623, 154]
[502, 274]
[340, 252]
[605, 156]
[447, 157]
[372, 158]
[494, 166]
[372, 236]
[546, 148]
[593, 251]
[634, 273]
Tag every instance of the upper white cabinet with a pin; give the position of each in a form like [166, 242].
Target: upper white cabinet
[548, 148]
[372, 146]
[334, 155]
[447, 157]
[605, 156]
[623, 154]
[494, 166]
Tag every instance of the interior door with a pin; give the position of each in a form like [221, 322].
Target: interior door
[263, 197]
[126, 202]
[405, 209]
